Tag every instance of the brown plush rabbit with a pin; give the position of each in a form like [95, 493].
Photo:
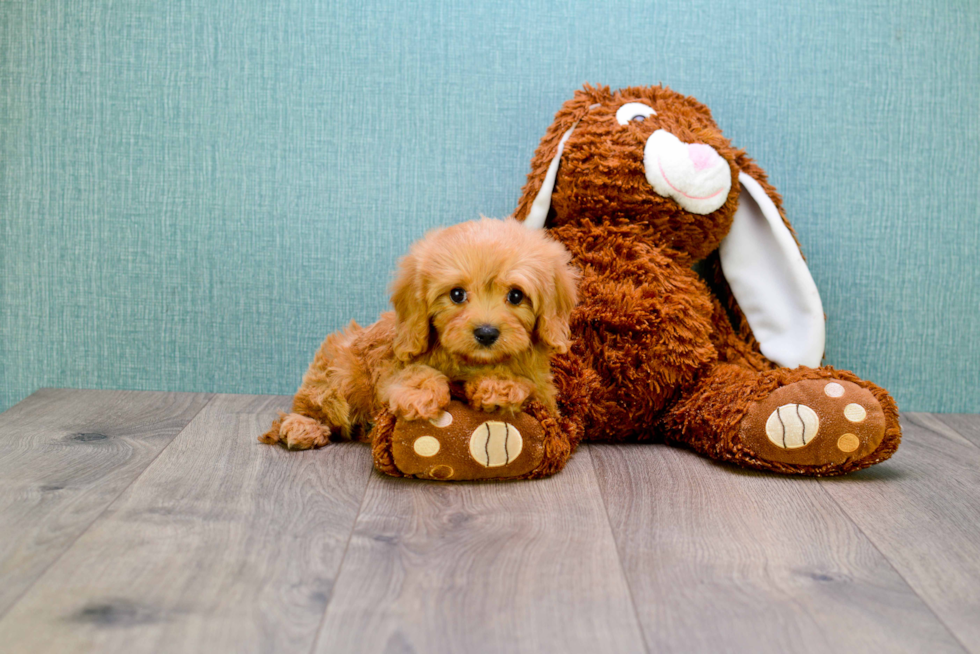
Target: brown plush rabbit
[640, 184]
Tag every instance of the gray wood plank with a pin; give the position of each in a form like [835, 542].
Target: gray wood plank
[222, 545]
[922, 511]
[727, 560]
[64, 457]
[966, 425]
[525, 566]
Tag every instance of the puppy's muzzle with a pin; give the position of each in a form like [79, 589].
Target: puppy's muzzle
[486, 335]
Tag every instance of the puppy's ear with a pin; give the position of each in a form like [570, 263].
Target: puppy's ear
[557, 302]
[411, 309]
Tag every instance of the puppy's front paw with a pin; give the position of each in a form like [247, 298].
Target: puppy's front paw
[492, 393]
[423, 402]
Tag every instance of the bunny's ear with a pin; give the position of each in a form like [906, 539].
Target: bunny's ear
[771, 282]
[541, 205]
[535, 201]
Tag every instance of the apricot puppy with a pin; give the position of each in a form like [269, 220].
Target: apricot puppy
[480, 305]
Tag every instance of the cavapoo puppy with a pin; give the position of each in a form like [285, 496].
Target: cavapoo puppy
[479, 307]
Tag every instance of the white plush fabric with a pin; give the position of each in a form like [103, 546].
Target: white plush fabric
[538, 213]
[631, 110]
[692, 174]
[771, 281]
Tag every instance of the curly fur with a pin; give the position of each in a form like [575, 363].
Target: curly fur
[405, 362]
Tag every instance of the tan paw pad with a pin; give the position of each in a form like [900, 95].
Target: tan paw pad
[855, 413]
[494, 444]
[792, 426]
[833, 389]
[426, 446]
[441, 472]
[442, 420]
[848, 443]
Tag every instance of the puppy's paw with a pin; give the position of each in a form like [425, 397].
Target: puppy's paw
[492, 393]
[301, 432]
[423, 402]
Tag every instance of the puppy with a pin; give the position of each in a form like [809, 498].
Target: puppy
[480, 305]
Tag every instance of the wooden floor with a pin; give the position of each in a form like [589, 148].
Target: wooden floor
[134, 521]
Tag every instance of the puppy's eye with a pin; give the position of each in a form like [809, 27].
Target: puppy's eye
[635, 112]
[515, 296]
[457, 295]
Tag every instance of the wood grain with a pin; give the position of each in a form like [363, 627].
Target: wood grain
[508, 567]
[726, 560]
[964, 425]
[922, 511]
[65, 455]
[124, 528]
[222, 545]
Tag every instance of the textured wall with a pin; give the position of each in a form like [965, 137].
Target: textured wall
[193, 193]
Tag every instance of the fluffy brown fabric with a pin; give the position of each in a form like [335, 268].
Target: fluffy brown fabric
[674, 358]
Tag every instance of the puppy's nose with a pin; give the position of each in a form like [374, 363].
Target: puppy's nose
[486, 335]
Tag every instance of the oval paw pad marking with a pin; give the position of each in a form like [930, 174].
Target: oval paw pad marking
[426, 446]
[442, 472]
[442, 420]
[792, 426]
[848, 442]
[833, 389]
[494, 444]
[855, 413]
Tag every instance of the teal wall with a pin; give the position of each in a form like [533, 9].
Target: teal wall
[194, 192]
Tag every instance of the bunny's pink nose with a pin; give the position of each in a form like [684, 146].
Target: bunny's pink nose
[702, 156]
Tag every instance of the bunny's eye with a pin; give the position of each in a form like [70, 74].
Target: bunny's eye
[634, 111]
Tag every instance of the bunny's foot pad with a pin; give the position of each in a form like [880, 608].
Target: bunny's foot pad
[814, 422]
[467, 444]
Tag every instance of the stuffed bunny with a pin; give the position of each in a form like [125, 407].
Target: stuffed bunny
[640, 184]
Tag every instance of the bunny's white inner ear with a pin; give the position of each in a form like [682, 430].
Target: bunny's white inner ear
[538, 213]
[771, 282]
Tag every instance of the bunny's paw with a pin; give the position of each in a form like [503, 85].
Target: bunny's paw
[463, 444]
[814, 422]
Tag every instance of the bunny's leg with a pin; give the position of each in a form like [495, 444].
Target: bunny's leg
[811, 421]
[644, 336]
